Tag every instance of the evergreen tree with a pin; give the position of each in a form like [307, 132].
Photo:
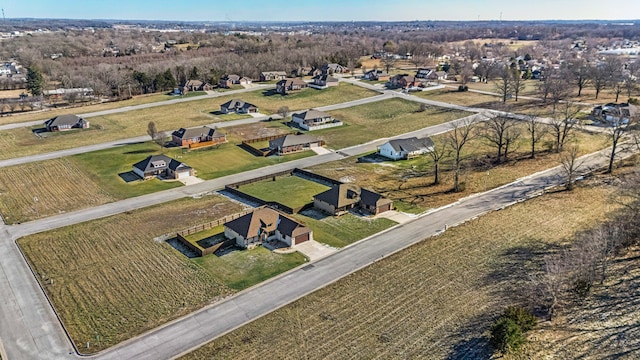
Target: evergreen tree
[35, 81]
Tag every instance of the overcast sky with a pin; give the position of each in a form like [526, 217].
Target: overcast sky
[323, 10]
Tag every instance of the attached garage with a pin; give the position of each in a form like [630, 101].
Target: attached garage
[301, 238]
[183, 174]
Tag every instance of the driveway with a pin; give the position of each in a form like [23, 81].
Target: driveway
[319, 150]
[397, 216]
[191, 180]
[314, 250]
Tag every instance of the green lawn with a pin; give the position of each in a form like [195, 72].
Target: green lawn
[380, 119]
[292, 191]
[241, 269]
[344, 230]
[203, 235]
[105, 165]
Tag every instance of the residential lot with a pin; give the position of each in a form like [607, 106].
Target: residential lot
[292, 191]
[410, 182]
[47, 188]
[436, 298]
[381, 119]
[23, 142]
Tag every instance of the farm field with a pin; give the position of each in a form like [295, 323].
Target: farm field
[22, 142]
[292, 191]
[240, 269]
[108, 280]
[47, 188]
[385, 118]
[410, 182]
[341, 231]
[437, 298]
[43, 115]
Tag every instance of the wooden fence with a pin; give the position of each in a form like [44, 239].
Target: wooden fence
[212, 224]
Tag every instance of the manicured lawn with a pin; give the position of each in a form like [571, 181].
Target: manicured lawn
[201, 235]
[344, 230]
[240, 269]
[380, 119]
[104, 167]
[410, 182]
[109, 278]
[292, 191]
[22, 142]
[436, 299]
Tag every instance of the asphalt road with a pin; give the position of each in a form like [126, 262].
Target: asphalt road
[133, 140]
[142, 106]
[191, 331]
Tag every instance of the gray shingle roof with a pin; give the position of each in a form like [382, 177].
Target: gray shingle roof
[62, 120]
[312, 114]
[195, 132]
[411, 144]
[159, 162]
[291, 140]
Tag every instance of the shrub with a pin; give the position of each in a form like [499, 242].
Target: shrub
[507, 333]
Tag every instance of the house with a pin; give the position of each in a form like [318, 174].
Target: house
[324, 81]
[334, 69]
[615, 113]
[238, 106]
[423, 73]
[344, 197]
[294, 143]
[314, 120]
[230, 80]
[66, 122]
[195, 85]
[376, 75]
[398, 149]
[162, 166]
[306, 71]
[265, 224]
[405, 81]
[290, 84]
[198, 135]
[272, 75]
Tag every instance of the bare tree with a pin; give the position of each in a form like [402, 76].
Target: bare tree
[571, 164]
[438, 152]
[283, 111]
[580, 71]
[616, 131]
[461, 133]
[504, 83]
[388, 61]
[156, 136]
[562, 123]
[499, 132]
[517, 82]
[598, 79]
[537, 130]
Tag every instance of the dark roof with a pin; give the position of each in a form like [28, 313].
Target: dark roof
[312, 114]
[341, 195]
[202, 131]
[325, 78]
[238, 104]
[291, 140]
[265, 219]
[159, 162]
[61, 120]
[370, 198]
[232, 77]
[411, 144]
[291, 81]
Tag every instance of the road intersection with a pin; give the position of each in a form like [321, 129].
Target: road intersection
[30, 328]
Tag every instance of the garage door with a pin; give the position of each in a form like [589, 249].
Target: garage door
[302, 238]
[183, 175]
[384, 208]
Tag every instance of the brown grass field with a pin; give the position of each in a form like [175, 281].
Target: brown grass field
[43, 115]
[22, 142]
[109, 281]
[381, 119]
[409, 182]
[58, 185]
[435, 300]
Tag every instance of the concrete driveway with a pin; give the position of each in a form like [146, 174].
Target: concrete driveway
[314, 250]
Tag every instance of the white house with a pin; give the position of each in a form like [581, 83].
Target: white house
[399, 149]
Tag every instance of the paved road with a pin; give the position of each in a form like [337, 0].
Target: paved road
[44, 337]
[160, 197]
[191, 331]
[143, 106]
[137, 139]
